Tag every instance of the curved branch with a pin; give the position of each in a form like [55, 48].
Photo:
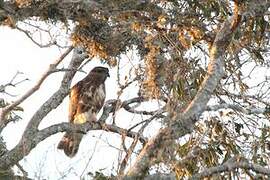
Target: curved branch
[126, 105]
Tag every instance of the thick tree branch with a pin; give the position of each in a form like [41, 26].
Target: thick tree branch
[246, 96]
[84, 128]
[98, 125]
[230, 165]
[27, 142]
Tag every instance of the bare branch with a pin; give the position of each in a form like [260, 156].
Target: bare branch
[127, 156]
[31, 91]
[143, 112]
[11, 83]
[34, 41]
[132, 147]
[84, 128]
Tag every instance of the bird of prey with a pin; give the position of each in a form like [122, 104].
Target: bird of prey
[86, 99]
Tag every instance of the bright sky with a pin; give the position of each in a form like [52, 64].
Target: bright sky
[18, 53]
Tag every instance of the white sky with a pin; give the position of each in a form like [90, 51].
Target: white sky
[18, 53]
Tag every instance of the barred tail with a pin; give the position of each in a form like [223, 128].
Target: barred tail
[70, 143]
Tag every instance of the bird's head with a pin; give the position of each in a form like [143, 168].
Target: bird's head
[101, 71]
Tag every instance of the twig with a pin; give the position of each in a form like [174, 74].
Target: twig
[127, 156]
[157, 115]
[86, 62]
[13, 78]
[245, 109]
[143, 112]
[126, 105]
[25, 174]
[89, 159]
[131, 148]
[11, 83]
[34, 41]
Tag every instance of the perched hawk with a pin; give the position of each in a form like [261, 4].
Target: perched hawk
[86, 99]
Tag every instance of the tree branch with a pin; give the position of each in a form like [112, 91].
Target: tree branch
[27, 142]
[230, 165]
[34, 41]
[84, 128]
[6, 109]
[245, 110]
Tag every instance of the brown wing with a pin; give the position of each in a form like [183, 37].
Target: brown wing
[74, 101]
[91, 98]
[85, 97]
